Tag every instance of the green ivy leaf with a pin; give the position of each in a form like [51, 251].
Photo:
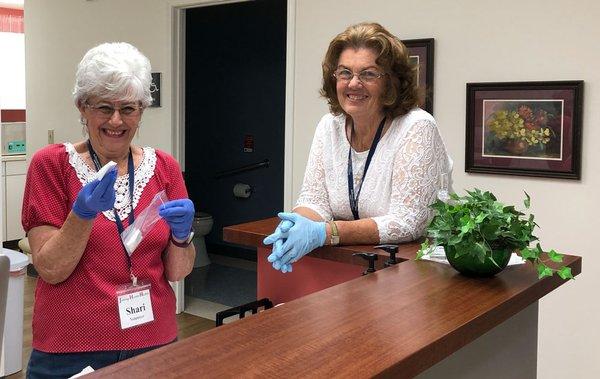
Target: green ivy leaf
[543, 270]
[490, 229]
[554, 256]
[565, 273]
[438, 206]
[480, 217]
[527, 201]
[530, 254]
[423, 250]
[467, 224]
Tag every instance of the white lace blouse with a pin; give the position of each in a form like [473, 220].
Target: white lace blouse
[401, 182]
[143, 174]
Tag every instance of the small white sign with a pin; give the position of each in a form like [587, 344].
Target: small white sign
[135, 308]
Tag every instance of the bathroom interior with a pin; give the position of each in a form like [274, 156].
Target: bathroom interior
[234, 141]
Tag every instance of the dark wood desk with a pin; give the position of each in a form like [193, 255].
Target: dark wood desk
[307, 276]
[253, 233]
[397, 322]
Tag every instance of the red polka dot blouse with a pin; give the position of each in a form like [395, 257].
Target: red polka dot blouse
[80, 313]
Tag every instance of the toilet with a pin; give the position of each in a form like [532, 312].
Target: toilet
[203, 223]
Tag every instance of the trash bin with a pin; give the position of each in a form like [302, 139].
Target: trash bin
[11, 357]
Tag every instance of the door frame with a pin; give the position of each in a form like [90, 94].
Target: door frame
[178, 101]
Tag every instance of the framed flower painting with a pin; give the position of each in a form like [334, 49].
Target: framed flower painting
[525, 128]
[420, 54]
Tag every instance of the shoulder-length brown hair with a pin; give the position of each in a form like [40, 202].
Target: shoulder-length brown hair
[400, 94]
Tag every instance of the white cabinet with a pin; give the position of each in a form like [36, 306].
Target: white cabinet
[14, 171]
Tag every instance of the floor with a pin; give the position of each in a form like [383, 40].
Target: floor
[227, 282]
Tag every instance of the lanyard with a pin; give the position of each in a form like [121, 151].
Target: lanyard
[351, 194]
[130, 170]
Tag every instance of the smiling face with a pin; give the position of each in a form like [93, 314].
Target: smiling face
[358, 99]
[110, 130]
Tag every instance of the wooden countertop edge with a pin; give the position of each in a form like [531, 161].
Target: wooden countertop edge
[438, 350]
[416, 362]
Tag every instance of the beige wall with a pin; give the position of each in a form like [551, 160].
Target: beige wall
[476, 41]
[60, 32]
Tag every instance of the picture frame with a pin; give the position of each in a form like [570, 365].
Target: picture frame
[421, 53]
[525, 128]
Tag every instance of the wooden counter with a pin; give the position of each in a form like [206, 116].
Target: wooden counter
[397, 322]
[307, 277]
[253, 233]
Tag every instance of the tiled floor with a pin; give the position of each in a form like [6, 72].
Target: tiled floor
[207, 308]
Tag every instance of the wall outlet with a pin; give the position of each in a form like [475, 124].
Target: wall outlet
[50, 136]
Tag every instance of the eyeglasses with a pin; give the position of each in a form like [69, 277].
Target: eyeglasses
[105, 111]
[365, 76]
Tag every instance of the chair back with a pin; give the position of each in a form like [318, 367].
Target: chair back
[4, 274]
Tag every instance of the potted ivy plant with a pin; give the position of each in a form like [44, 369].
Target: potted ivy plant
[479, 234]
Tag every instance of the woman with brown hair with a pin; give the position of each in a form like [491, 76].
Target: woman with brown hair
[376, 161]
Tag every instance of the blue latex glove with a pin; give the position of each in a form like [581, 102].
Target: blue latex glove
[302, 238]
[179, 214]
[96, 196]
[283, 267]
[277, 239]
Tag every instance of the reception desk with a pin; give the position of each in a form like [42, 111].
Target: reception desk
[416, 318]
[322, 268]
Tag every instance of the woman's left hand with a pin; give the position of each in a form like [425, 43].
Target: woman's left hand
[303, 237]
[179, 214]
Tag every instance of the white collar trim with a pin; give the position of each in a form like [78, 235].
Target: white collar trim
[143, 174]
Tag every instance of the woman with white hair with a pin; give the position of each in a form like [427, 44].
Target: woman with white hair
[94, 303]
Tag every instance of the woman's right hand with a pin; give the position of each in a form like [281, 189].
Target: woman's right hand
[96, 196]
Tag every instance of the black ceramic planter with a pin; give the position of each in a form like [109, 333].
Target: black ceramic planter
[471, 266]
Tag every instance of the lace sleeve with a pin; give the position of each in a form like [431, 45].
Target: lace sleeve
[314, 193]
[417, 167]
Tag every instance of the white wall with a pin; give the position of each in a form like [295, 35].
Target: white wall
[12, 71]
[58, 33]
[12, 88]
[476, 41]
[479, 41]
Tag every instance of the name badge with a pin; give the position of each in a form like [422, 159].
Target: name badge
[135, 306]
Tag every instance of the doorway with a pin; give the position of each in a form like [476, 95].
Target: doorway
[235, 90]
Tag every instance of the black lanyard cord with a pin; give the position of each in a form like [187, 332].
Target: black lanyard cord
[353, 198]
[130, 170]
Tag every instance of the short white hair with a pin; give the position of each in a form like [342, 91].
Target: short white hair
[113, 71]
